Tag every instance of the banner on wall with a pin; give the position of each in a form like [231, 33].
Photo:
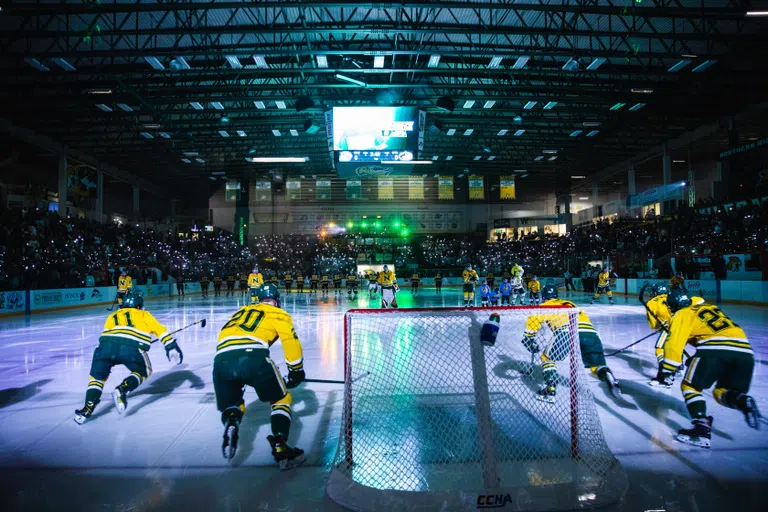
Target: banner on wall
[12, 302]
[476, 187]
[354, 189]
[293, 189]
[232, 191]
[263, 191]
[416, 188]
[323, 190]
[445, 187]
[386, 189]
[507, 184]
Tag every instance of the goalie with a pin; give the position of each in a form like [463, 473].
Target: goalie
[592, 355]
[388, 284]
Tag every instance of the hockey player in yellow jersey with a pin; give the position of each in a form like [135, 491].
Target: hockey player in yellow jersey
[677, 281]
[288, 282]
[723, 358]
[337, 278]
[127, 336]
[242, 359]
[591, 345]
[415, 280]
[388, 285]
[124, 285]
[255, 281]
[534, 291]
[351, 285]
[659, 317]
[469, 278]
[604, 285]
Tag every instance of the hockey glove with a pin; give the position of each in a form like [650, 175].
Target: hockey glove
[295, 377]
[173, 352]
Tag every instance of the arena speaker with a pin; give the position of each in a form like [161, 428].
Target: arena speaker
[304, 103]
[446, 103]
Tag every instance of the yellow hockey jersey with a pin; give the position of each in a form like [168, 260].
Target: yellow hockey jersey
[124, 283]
[658, 305]
[259, 326]
[556, 319]
[132, 325]
[677, 282]
[705, 327]
[604, 278]
[469, 275]
[387, 278]
[534, 286]
[315, 278]
[288, 277]
[337, 278]
[255, 280]
[415, 277]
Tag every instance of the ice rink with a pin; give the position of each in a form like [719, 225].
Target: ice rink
[164, 453]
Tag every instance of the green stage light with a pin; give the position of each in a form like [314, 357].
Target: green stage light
[377, 224]
[396, 224]
[350, 225]
[404, 232]
[364, 225]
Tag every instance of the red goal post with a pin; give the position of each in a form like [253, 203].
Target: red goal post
[425, 371]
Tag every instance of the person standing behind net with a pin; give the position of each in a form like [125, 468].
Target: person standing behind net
[591, 345]
[255, 281]
[216, 286]
[288, 283]
[389, 288]
[485, 294]
[373, 283]
[534, 289]
[204, 283]
[517, 289]
[127, 336]
[242, 359]
[469, 277]
[723, 358]
[505, 289]
[604, 285]
[568, 282]
[438, 282]
[180, 284]
[415, 279]
[313, 280]
[124, 285]
[677, 282]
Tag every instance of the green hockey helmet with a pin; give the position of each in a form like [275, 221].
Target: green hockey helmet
[133, 300]
[549, 292]
[659, 289]
[678, 299]
[269, 291]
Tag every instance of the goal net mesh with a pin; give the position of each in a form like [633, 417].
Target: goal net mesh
[434, 420]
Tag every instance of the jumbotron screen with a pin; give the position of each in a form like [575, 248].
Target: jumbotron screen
[385, 129]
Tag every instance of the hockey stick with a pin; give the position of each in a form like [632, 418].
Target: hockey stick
[110, 308]
[201, 322]
[328, 381]
[633, 344]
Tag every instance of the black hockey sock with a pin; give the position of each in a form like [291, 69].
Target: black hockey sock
[93, 395]
[731, 399]
[234, 412]
[131, 382]
[281, 425]
[602, 373]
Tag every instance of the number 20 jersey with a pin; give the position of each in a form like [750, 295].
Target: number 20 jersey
[259, 326]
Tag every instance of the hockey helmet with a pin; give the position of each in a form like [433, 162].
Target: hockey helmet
[124, 272]
[549, 292]
[659, 289]
[678, 299]
[269, 291]
[133, 300]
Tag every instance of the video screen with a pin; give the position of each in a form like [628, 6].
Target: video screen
[375, 128]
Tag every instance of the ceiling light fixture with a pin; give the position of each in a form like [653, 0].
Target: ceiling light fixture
[179, 63]
[550, 105]
[539, 158]
[704, 65]
[378, 61]
[618, 106]
[552, 158]
[680, 65]
[36, 64]
[147, 135]
[280, 104]
[449, 157]
[530, 105]
[477, 158]
[587, 124]
[295, 133]
[492, 157]
[103, 107]
[151, 126]
[196, 105]
[260, 105]
[155, 63]
[101, 90]
[276, 133]
[756, 13]
[468, 131]
[164, 135]
[199, 160]
[519, 133]
[521, 62]
[124, 107]
[451, 131]
[637, 90]
[322, 61]
[502, 132]
[578, 177]
[489, 104]
[593, 133]
[351, 80]
[495, 62]
[234, 61]
[576, 133]
[434, 60]
[186, 160]
[240, 133]
[637, 106]
[63, 64]
[217, 105]
[469, 103]
[260, 61]
[596, 63]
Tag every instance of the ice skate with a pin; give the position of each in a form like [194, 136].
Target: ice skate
[120, 399]
[547, 394]
[285, 456]
[83, 414]
[700, 435]
[751, 412]
[613, 385]
[229, 445]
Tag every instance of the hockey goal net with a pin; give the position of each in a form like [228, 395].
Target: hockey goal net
[434, 420]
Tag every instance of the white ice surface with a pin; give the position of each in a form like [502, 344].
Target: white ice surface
[164, 453]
